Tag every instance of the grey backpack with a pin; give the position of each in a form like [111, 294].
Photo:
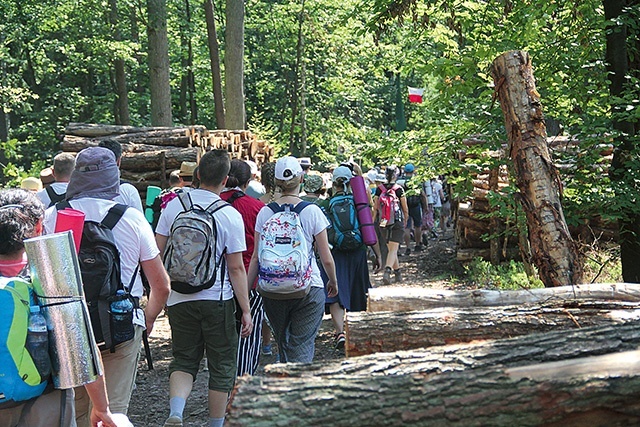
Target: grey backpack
[190, 256]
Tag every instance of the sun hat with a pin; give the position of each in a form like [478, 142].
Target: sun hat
[31, 183]
[187, 168]
[96, 174]
[305, 162]
[287, 168]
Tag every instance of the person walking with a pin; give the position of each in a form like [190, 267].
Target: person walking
[94, 184]
[21, 215]
[390, 218]
[63, 165]
[240, 175]
[296, 319]
[203, 319]
[349, 254]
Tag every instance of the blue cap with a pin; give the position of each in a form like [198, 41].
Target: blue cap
[408, 168]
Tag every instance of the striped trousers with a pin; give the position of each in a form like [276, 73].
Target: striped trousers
[249, 347]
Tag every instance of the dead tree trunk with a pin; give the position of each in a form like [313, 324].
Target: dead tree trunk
[555, 254]
[450, 325]
[526, 349]
[598, 390]
[410, 299]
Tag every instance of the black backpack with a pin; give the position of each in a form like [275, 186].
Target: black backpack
[55, 197]
[99, 260]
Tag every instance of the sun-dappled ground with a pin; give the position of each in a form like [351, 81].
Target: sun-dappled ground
[433, 267]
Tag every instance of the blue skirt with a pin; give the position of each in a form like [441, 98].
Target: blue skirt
[352, 272]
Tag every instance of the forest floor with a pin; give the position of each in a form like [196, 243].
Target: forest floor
[434, 268]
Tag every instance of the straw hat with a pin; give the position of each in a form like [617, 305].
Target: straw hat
[187, 168]
[31, 184]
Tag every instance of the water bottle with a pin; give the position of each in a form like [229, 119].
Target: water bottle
[122, 317]
[38, 342]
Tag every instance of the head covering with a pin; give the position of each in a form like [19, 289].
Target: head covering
[409, 168]
[287, 168]
[187, 168]
[371, 176]
[342, 172]
[96, 174]
[380, 177]
[31, 183]
[253, 166]
[305, 162]
[313, 183]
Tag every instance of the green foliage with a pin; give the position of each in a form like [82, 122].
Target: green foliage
[510, 275]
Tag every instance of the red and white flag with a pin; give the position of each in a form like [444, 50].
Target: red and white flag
[415, 94]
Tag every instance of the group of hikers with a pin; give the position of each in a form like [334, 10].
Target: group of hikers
[236, 256]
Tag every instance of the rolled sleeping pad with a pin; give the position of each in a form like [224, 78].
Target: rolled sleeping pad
[361, 200]
[152, 193]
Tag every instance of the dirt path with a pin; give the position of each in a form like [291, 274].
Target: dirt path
[433, 267]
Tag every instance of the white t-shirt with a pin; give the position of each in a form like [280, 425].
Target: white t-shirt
[313, 222]
[129, 196]
[230, 235]
[437, 188]
[133, 236]
[58, 187]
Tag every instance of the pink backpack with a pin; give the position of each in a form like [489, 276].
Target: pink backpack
[389, 205]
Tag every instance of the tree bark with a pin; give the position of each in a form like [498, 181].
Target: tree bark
[522, 350]
[555, 254]
[450, 325]
[214, 59]
[152, 160]
[598, 390]
[234, 64]
[159, 85]
[410, 299]
[617, 58]
[122, 116]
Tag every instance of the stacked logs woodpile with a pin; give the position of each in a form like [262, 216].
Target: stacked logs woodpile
[474, 223]
[553, 356]
[151, 153]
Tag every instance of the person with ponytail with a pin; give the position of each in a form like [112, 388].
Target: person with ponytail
[235, 194]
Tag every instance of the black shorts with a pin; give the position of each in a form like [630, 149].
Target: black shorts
[415, 217]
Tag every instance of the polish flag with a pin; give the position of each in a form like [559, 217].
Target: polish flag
[415, 95]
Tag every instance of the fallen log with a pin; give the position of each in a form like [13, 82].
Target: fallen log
[390, 298]
[95, 130]
[452, 325]
[525, 349]
[598, 390]
[151, 160]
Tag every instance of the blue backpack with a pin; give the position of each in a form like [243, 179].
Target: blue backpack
[344, 233]
[19, 376]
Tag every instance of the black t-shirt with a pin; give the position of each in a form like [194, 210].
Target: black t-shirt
[399, 190]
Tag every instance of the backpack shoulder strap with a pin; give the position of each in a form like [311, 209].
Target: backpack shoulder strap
[235, 196]
[53, 196]
[114, 215]
[300, 206]
[63, 205]
[185, 200]
[216, 206]
[382, 188]
[275, 208]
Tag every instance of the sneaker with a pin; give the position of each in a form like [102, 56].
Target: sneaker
[267, 350]
[340, 341]
[425, 240]
[418, 248]
[397, 276]
[386, 276]
[407, 252]
[173, 421]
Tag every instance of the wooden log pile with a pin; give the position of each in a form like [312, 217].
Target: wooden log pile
[474, 223]
[575, 375]
[151, 153]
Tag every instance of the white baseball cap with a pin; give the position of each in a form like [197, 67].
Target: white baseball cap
[287, 168]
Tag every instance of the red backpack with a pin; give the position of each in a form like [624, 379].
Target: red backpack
[389, 205]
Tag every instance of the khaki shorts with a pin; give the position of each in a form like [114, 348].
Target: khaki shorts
[199, 326]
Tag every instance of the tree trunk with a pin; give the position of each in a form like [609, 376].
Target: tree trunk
[522, 350]
[555, 254]
[496, 224]
[159, 85]
[122, 95]
[391, 298]
[592, 391]
[152, 160]
[450, 325]
[617, 58]
[214, 59]
[234, 65]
